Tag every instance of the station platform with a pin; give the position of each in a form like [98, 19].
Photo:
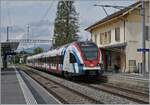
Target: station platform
[134, 76]
[135, 81]
[18, 88]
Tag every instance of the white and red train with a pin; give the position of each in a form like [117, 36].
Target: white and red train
[75, 59]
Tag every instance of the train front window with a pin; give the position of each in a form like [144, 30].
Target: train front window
[89, 50]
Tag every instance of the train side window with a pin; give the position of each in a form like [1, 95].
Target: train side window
[52, 61]
[55, 60]
[72, 58]
[46, 60]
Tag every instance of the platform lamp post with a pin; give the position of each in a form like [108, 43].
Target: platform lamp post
[8, 31]
[143, 35]
[28, 27]
[23, 54]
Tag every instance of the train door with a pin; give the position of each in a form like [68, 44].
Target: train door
[57, 64]
[73, 63]
[66, 61]
[46, 64]
[67, 65]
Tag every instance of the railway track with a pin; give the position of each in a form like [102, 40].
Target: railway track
[126, 90]
[80, 98]
[141, 88]
[122, 92]
[117, 91]
[102, 85]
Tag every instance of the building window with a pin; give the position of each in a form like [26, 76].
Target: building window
[101, 38]
[109, 36]
[95, 38]
[105, 38]
[117, 34]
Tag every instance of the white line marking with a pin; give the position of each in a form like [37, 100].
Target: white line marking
[42, 87]
[29, 98]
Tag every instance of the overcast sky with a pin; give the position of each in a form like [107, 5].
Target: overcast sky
[40, 15]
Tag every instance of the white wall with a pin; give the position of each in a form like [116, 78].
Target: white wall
[106, 28]
[132, 35]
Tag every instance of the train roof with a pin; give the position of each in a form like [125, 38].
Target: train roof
[56, 51]
[51, 53]
[36, 56]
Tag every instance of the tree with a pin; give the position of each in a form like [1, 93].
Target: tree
[17, 59]
[37, 50]
[66, 23]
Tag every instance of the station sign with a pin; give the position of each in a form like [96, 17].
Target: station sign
[143, 50]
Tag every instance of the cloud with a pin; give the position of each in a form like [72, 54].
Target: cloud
[31, 12]
[16, 29]
[43, 33]
[41, 23]
[22, 12]
[20, 36]
[12, 29]
[21, 3]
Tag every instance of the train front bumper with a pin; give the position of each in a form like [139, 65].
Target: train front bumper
[92, 70]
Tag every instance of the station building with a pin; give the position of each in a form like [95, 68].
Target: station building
[119, 36]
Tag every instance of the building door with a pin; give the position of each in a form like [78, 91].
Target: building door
[117, 63]
[106, 63]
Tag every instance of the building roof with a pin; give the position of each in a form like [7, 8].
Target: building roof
[116, 14]
[115, 45]
[9, 46]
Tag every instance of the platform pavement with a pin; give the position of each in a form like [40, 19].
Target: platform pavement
[18, 88]
[135, 76]
[130, 80]
[11, 92]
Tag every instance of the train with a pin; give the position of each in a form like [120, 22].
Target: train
[80, 58]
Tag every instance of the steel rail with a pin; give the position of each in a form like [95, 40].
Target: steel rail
[72, 90]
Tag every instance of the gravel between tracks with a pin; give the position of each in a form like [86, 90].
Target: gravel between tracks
[68, 96]
[96, 94]
[142, 98]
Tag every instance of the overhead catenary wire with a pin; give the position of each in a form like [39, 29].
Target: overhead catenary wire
[114, 6]
[47, 11]
[42, 18]
[105, 11]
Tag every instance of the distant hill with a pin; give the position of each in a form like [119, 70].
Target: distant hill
[44, 47]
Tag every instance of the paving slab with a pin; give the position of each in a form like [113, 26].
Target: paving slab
[18, 88]
[11, 92]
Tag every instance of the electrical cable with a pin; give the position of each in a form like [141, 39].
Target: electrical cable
[47, 11]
